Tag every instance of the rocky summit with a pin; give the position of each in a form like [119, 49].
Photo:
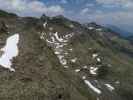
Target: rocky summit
[54, 58]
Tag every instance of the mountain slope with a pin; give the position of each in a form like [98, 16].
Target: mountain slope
[60, 59]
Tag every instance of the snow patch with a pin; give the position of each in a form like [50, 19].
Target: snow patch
[62, 60]
[66, 66]
[74, 60]
[90, 48]
[57, 53]
[70, 49]
[66, 53]
[98, 59]
[90, 28]
[59, 38]
[42, 36]
[71, 26]
[99, 29]
[98, 91]
[83, 77]
[53, 39]
[10, 51]
[59, 46]
[51, 28]
[111, 88]
[94, 55]
[117, 82]
[85, 67]
[77, 70]
[49, 41]
[45, 24]
[93, 70]
[60, 56]
[57, 43]
[68, 35]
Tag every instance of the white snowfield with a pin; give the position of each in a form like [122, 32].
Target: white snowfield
[92, 87]
[10, 51]
[110, 87]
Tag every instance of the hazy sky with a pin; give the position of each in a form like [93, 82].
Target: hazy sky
[115, 12]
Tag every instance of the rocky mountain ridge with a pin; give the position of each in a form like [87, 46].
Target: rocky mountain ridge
[60, 59]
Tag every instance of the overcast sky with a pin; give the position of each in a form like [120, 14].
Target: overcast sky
[114, 12]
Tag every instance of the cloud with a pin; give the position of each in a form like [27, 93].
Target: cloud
[30, 7]
[118, 3]
[84, 11]
[114, 12]
[112, 1]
